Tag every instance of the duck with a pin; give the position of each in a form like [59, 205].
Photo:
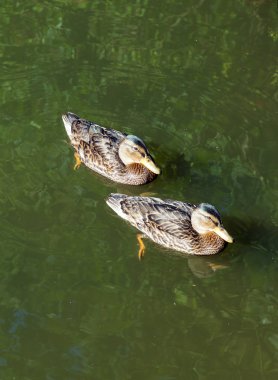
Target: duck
[183, 227]
[118, 156]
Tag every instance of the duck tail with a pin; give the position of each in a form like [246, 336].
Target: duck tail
[68, 118]
[114, 201]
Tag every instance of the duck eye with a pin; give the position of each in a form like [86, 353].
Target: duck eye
[135, 148]
[212, 221]
[215, 223]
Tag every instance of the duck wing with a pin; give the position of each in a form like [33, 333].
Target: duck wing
[154, 216]
[97, 146]
[171, 218]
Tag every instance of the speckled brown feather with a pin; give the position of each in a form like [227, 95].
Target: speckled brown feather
[98, 149]
[166, 222]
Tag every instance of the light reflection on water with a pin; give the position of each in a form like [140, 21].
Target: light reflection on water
[197, 82]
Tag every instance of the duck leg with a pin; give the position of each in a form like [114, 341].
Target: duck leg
[215, 266]
[141, 251]
[77, 161]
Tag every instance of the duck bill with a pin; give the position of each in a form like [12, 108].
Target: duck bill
[149, 164]
[220, 231]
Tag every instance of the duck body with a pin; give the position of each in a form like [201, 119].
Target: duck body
[120, 157]
[170, 223]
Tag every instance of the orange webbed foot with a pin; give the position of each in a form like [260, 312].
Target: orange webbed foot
[77, 161]
[142, 247]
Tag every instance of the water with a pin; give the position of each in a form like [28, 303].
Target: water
[198, 83]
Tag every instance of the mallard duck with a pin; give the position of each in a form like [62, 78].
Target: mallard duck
[120, 157]
[184, 227]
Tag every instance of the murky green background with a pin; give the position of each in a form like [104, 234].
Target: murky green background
[197, 81]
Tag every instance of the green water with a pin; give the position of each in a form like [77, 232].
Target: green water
[197, 80]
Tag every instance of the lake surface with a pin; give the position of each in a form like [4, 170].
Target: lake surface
[198, 81]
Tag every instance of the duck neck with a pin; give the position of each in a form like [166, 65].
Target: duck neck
[139, 174]
[211, 243]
